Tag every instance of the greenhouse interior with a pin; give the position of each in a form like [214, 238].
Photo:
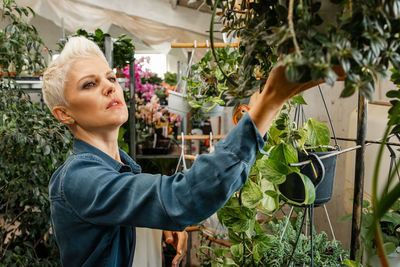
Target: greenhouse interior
[240, 132]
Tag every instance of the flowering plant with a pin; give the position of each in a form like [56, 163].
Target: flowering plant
[151, 116]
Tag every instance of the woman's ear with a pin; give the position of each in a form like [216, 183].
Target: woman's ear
[62, 114]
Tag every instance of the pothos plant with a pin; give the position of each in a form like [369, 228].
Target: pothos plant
[206, 83]
[362, 37]
[250, 244]
[285, 140]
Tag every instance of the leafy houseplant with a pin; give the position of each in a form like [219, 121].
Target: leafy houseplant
[21, 48]
[206, 83]
[286, 143]
[359, 36]
[250, 243]
[383, 202]
[123, 49]
[389, 223]
[32, 145]
[272, 245]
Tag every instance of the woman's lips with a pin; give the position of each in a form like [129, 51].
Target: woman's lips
[115, 103]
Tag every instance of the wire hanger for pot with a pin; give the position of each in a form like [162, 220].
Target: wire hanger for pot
[182, 156]
[187, 70]
[300, 118]
[329, 118]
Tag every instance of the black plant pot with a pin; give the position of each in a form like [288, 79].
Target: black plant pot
[293, 187]
[163, 146]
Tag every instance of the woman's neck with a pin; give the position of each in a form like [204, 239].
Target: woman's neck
[106, 142]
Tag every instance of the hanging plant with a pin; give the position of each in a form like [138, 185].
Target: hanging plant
[359, 37]
[206, 84]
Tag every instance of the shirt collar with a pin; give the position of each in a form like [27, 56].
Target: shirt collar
[81, 147]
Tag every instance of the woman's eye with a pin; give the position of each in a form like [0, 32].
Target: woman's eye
[88, 85]
[112, 79]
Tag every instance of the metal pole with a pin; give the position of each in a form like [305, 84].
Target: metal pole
[108, 50]
[355, 246]
[132, 111]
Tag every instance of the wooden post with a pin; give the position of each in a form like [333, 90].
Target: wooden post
[355, 246]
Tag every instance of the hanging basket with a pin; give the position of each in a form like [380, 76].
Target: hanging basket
[215, 111]
[178, 104]
[293, 187]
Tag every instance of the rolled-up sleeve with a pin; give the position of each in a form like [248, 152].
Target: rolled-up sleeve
[100, 195]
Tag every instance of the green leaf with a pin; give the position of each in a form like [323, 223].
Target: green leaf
[262, 243]
[237, 252]
[273, 170]
[317, 133]
[251, 194]
[299, 99]
[236, 218]
[393, 94]
[309, 190]
[351, 263]
[292, 73]
[270, 200]
[346, 217]
[284, 153]
[389, 247]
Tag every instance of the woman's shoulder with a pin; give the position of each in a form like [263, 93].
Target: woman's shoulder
[72, 173]
[77, 163]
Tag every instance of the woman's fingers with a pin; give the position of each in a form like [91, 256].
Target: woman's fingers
[180, 240]
[169, 239]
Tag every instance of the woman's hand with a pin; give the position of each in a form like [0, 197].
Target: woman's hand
[276, 92]
[179, 241]
[278, 86]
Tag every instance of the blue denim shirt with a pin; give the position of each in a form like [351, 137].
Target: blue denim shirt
[96, 202]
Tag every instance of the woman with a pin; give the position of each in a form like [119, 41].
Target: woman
[99, 195]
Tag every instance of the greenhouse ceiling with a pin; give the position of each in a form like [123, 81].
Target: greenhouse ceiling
[156, 23]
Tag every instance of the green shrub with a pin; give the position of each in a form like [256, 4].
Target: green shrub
[32, 145]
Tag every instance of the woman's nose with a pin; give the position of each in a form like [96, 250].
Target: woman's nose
[109, 88]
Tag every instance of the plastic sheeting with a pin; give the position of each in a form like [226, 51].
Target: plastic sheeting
[80, 14]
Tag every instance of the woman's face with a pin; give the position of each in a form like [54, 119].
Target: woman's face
[94, 98]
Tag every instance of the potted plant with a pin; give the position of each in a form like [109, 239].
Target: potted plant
[289, 143]
[123, 49]
[206, 84]
[251, 244]
[156, 125]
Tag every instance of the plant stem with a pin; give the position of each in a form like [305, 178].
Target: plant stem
[374, 200]
[291, 28]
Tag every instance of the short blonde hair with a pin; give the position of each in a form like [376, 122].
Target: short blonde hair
[55, 76]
